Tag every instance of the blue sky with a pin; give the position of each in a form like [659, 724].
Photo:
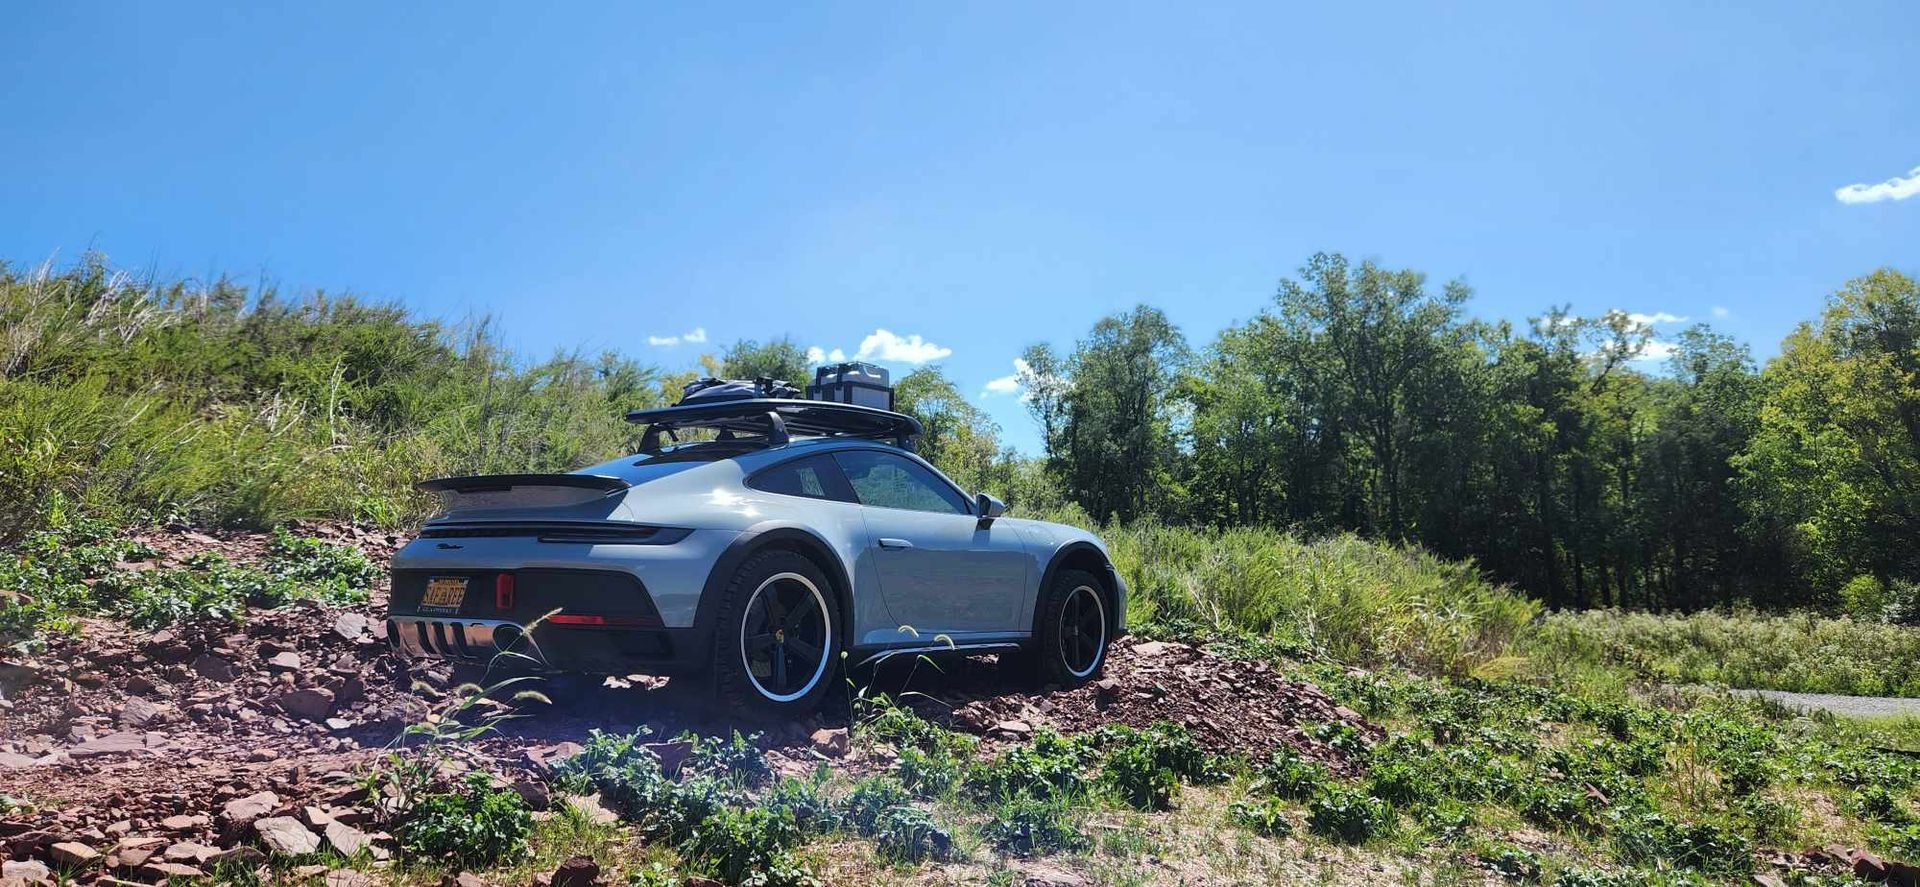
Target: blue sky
[980, 176]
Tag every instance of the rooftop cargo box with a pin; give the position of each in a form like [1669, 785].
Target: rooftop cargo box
[857, 383]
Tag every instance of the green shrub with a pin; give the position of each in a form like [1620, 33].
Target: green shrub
[477, 826]
[1027, 825]
[929, 773]
[1135, 775]
[1348, 816]
[1801, 652]
[1651, 838]
[908, 834]
[737, 758]
[1288, 775]
[1361, 602]
[739, 845]
[863, 808]
[1263, 816]
[1049, 766]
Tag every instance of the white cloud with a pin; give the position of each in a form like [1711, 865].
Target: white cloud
[1009, 383]
[890, 348]
[698, 335]
[1721, 311]
[1655, 317]
[884, 346]
[1896, 188]
[1656, 350]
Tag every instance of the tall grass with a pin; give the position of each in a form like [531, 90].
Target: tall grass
[1358, 601]
[1801, 652]
[220, 404]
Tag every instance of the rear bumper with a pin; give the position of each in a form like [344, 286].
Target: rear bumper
[545, 647]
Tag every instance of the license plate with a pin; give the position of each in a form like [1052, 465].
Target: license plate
[444, 593]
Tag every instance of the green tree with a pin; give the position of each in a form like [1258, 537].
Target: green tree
[959, 439]
[1115, 444]
[1836, 457]
[777, 359]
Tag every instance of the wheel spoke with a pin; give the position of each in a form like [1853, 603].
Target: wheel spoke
[808, 652]
[759, 642]
[798, 617]
[780, 668]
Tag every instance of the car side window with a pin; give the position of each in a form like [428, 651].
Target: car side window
[889, 481]
[815, 477]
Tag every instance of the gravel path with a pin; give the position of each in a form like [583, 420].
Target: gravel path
[1849, 706]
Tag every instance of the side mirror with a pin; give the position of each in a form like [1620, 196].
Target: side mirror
[987, 508]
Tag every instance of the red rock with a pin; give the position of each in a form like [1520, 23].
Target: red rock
[287, 661]
[241, 812]
[25, 871]
[346, 839]
[312, 703]
[73, 855]
[832, 742]
[213, 668]
[162, 871]
[285, 836]
[580, 871]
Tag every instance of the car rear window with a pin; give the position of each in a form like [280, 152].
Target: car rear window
[815, 477]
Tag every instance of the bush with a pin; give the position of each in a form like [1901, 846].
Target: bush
[1801, 652]
[1265, 816]
[1362, 602]
[1650, 838]
[909, 834]
[737, 758]
[1026, 826]
[864, 807]
[738, 844]
[1288, 775]
[1348, 816]
[477, 826]
[1048, 767]
[1135, 776]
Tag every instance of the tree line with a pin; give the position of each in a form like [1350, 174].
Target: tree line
[1365, 399]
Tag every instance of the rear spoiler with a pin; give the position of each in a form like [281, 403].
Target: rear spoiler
[496, 483]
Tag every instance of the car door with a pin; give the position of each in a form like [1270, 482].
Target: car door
[940, 571]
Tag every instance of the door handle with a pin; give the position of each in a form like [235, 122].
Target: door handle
[894, 543]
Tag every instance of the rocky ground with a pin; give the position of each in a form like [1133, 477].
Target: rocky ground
[143, 757]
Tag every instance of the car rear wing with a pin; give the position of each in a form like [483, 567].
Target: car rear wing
[521, 490]
[777, 419]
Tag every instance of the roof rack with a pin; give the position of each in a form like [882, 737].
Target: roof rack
[779, 419]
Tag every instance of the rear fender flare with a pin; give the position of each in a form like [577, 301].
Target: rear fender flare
[753, 541]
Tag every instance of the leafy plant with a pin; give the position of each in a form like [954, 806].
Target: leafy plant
[1026, 825]
[475, 826]
[749, 845]
[737, 757]
[1348, 815]
[1264, 816]
[1288, 775]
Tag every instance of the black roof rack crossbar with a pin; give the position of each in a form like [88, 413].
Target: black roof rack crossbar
[778, 418]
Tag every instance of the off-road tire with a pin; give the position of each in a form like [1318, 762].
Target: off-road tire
[735, 688]
[1048, 656]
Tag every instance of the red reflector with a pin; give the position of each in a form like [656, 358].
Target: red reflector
[503, 591]
[582, 619]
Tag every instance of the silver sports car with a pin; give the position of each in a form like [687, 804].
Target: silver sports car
[795, 536]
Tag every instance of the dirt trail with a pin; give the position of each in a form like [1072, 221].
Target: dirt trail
[1845, 706]
[169, 746]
